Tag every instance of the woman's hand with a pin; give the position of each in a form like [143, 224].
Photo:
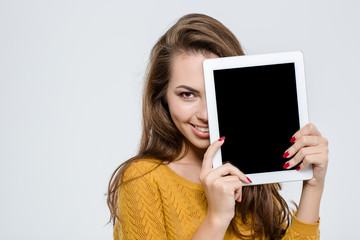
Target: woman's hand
[310, 148]
[221, 191]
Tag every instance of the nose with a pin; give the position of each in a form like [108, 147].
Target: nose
[202, 113]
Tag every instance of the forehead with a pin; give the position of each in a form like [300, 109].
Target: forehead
[187, 69]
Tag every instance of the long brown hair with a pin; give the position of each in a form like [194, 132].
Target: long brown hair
[161, 139]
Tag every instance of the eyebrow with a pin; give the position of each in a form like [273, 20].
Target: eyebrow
[188, 88]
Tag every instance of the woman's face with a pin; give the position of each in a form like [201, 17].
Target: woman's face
[186, 98]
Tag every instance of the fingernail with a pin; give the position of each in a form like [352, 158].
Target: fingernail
[249, 179]
[286, 165]
[298, 168]
[221, 139]
[285, 154]
[292, 139]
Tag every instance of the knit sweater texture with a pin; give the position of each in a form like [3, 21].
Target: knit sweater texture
[163, 205]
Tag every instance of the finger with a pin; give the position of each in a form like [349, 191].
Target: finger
[238, 195]
[231, 179]
[308, 129]
[302, 153]
[226, 169]
[239, 198]
[319, 159]
[209, 155]
[304, 141]
[234, 184]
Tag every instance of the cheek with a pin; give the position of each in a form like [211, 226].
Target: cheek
[180, 111]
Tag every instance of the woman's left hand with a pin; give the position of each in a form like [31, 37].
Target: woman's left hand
[310, 148]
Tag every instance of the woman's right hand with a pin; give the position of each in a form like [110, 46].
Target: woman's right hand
[221, 191]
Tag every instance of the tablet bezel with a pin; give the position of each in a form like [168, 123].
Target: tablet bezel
[296, 57]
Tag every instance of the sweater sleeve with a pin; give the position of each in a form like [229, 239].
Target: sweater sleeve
[139, 207]
[302, 231]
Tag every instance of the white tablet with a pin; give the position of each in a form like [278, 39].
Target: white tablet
[257, 102]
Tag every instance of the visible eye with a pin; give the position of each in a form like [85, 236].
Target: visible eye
[187, 95]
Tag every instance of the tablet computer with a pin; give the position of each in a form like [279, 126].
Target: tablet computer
[257, 102]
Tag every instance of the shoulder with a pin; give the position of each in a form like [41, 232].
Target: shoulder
[141, 168]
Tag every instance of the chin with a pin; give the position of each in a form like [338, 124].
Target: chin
[201, 144]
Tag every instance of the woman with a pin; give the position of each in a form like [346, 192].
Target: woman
[169, 190]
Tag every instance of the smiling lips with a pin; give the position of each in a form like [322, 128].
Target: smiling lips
[201, 131]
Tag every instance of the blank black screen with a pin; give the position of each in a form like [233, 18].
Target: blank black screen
[258, 114]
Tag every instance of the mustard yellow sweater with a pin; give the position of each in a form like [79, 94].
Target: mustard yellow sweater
[164, 205]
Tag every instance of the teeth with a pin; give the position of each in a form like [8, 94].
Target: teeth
[202, 129]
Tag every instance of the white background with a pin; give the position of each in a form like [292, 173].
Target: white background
[71, 74]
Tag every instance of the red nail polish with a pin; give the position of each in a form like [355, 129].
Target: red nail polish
[286, 165]
[286, 154]
[298, 168]
[221, 139]
[292, 139]
[249, 179]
